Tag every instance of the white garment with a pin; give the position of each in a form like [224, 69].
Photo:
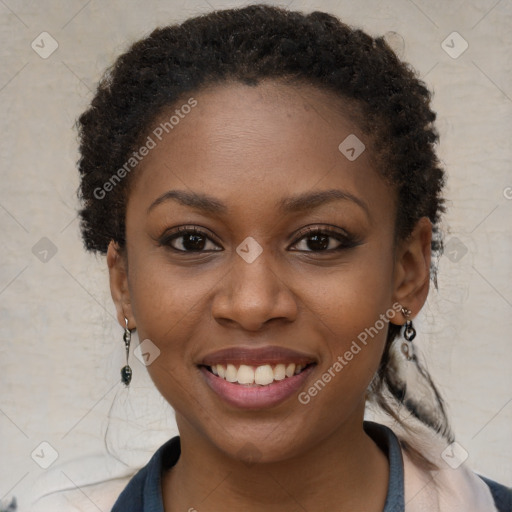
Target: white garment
[98, 480]
[446, 489]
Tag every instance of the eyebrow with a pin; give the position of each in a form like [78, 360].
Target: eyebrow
[292, 204]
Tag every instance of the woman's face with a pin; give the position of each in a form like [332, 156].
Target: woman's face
[251, 277]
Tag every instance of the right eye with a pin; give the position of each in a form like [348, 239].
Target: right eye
[190, 239]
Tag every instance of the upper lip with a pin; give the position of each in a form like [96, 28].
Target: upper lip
[256, 356]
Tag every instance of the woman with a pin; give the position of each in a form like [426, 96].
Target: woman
[265, 187]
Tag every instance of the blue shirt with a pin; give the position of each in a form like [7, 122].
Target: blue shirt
[143, 492]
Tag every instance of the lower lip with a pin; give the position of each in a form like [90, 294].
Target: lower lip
[256, 397]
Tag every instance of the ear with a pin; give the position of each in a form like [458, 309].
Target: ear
[118, 271]
[412, 269]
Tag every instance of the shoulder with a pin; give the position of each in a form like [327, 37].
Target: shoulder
[132, 496]
[76, 485]
[131, 492]
[501, 494]
[431, 480]
[143, 491]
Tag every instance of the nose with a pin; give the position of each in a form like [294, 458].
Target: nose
[254, 294]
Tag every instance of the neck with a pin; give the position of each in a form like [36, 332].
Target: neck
[330, 474]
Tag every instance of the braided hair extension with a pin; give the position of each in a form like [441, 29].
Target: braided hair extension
[248, 45]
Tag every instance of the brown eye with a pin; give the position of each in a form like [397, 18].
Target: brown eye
[188, 240]
[324, 240]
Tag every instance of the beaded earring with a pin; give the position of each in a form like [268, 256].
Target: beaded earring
[409, 334]
[126, 371]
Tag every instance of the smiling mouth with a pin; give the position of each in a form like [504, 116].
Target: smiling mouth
[254, 376]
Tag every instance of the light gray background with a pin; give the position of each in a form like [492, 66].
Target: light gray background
[61, 347]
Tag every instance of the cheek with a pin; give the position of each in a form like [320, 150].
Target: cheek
[168, 306]
[352, 298]
[351, 311]
[171, 305]
[165, 298]
[354, 337]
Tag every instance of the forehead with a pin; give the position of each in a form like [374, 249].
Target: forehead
[258, 143]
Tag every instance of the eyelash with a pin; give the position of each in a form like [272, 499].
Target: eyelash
[347, 241]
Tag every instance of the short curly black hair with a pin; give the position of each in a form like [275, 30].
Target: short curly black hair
[249, 45]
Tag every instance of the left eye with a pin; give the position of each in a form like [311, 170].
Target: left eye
[318, 240]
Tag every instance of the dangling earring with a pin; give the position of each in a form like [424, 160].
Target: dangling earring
[126, 371]
[409, 334]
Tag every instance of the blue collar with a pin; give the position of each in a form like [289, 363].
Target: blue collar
[143, 492]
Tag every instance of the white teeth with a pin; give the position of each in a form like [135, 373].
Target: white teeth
[245, 375]
[221, 371]
[264, 375]
[231, 373]
[279, 372]
[260, 375]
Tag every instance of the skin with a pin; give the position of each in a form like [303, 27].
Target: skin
[250, 147]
